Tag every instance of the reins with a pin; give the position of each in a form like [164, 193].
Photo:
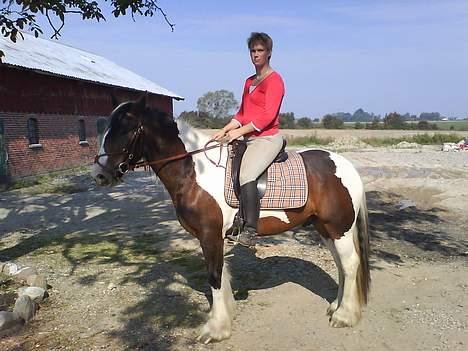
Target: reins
[184, 155]
[126, 165]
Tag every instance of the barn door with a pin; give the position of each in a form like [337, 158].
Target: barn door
[3, 152]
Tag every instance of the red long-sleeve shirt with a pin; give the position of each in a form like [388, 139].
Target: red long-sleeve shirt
[261, 106]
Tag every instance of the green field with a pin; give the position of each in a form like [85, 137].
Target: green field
[460, 125]
[452, 125]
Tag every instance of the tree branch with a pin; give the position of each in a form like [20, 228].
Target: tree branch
[12, 20]
[172, 25]
[56, 34]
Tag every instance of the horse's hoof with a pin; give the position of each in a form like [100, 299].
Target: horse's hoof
[342, 319]
[332, 308]
[212, 332]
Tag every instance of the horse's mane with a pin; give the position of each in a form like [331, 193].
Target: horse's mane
[150, 116]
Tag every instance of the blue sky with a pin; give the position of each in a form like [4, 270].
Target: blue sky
[382, 56]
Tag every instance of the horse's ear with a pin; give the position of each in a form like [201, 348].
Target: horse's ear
[115, 102]
[141, 103]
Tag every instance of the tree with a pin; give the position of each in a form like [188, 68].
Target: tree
[332, 122]
[203, 120]
[286, 120]
[17, 15]
[218, 104]
[362, 116]
[394, 121]
[430, 116]
[344, 116]
[304, 123]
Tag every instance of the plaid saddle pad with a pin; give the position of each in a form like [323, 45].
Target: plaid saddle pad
[286, 185]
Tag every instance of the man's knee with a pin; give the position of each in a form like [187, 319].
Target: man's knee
[245, 179]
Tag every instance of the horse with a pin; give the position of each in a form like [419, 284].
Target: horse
[335, 205]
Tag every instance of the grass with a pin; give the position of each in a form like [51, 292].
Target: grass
[423, 139]
[452, 125]
[59, 182]
[309, 140]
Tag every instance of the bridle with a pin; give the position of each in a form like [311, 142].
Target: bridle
[129, 150]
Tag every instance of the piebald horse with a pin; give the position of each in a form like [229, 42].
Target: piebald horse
[336, 205]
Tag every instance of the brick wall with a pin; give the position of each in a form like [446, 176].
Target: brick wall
[59, 137]
[57, 103]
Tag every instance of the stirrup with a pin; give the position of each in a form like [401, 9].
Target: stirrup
[247, 238]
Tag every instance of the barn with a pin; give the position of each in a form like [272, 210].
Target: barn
[54, 103]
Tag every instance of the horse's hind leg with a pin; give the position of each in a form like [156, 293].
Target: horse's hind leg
[331, 246]
[219, 324]
[347, 306]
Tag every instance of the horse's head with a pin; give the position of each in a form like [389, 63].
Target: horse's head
[134, 132]
[121, 145]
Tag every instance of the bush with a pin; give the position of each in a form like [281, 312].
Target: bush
[394, 121]
[358, 125]
[425, 125]
[423, 139]
[375, 124]
[304, 123]
[203, 120]
[332, 122]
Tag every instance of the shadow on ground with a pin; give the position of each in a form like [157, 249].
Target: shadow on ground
[132, 225]
[412, 233]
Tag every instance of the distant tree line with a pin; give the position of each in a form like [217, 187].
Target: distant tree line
[215, 109]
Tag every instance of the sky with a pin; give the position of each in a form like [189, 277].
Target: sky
[334, 56]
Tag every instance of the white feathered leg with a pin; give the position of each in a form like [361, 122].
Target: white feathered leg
[219, 324]
[348, 312]
[334, 305]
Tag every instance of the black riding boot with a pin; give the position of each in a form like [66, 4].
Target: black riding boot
[251, 209]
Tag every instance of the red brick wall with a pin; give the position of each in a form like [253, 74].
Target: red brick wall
[58, 135]
[58, 103]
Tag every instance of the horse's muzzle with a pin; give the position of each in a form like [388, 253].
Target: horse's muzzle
[101, 180]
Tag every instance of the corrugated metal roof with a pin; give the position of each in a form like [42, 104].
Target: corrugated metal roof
[53, 57]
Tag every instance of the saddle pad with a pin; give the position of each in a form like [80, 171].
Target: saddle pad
[286, 186]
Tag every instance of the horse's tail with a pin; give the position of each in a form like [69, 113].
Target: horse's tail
[363, 275]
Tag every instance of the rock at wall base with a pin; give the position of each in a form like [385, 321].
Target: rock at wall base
[37, 280]
[25, 307]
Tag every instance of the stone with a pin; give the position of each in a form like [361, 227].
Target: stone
[37, 280]
[24, 273]
[112, 286]
[10, 268]
[36, 294]
[9, 321]
[2, 264]
[25, 307]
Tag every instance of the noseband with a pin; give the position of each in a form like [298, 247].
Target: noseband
[129, 150]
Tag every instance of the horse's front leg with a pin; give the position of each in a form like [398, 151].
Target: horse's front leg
[219, 324]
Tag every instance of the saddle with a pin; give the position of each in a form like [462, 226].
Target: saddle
[237, 152]
[283, 185]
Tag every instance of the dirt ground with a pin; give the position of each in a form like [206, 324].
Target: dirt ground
[124, 275]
